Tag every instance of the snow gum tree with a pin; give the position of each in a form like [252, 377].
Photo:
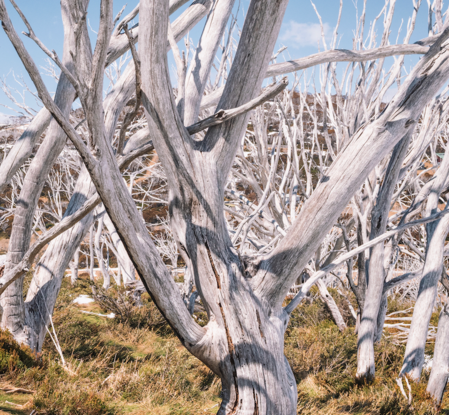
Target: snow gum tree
[244, 296]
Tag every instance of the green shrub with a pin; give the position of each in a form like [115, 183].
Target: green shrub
[14, 357]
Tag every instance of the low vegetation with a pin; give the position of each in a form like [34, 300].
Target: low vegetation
[134, 364]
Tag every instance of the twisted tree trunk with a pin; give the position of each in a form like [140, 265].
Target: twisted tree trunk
[243, 341]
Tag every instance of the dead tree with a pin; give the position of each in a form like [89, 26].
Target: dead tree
[243, 340]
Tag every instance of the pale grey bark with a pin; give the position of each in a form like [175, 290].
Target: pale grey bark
[46, 282]
[440, 364]
[176, 4]
[433, 266]
[191, 17]
[336, 55]
[344, 55]
[369, 145]
[54, 142]
[47, 279]
[23, 147]
[204, 56]
[69, 220]
[120, 207]
[376, 268]
[381, 315]
[414, 352]
[91, 253]
[255, 375]
[99, 254]
[124, 262]
[345, 257]
[74, 267]
[226, 115]
[332, 305]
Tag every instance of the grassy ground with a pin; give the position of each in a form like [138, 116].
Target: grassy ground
[135, 365]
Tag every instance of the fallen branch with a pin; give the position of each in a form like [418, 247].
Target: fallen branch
[12, 389]
[24, 406]
[110, 315]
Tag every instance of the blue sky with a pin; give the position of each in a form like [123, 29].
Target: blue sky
[300, 32]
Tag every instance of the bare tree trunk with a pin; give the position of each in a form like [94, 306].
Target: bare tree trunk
[433, 266]
[381, 318]
[74, 265]
[124, 262]
[332, 305]
[368, 323]
[46, 283]
[440, 366]
[23, 147]
[376, 268]
[91, 253]
[54, 142]
[99, 253]
[243, 341]
[201, 231]
[12, 299]
[424, 305]
[42, 163]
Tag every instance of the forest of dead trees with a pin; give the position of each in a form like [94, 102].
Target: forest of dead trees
[237, 193]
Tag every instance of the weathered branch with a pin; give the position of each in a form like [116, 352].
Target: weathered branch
[131, 115]
[181, 26]
[204, 56]
[366, 148]
[401, 279]
[23, 147]
[343, 258]
[344, 55]
[225, 115]
[66, 223]
[40, 86]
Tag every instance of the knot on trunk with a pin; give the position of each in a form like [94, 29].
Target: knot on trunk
[250, 266]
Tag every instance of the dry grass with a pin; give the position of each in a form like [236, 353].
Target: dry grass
[135, 365]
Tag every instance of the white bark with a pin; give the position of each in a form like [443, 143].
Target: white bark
[204, 56]
[332, 305]
[54, 142]
[433, 266]
[74, 267]
[414, 352]
[369, 145]
[124, 261]
[440, 365]
[376, 269]
[243, 341]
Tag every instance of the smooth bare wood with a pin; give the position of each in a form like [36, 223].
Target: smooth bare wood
[225, 115]
[440, 364]
[12, 299]
[199, 72]
[376, 268]
[367, 148]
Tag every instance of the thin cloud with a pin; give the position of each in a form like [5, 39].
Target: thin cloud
[300, 35]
